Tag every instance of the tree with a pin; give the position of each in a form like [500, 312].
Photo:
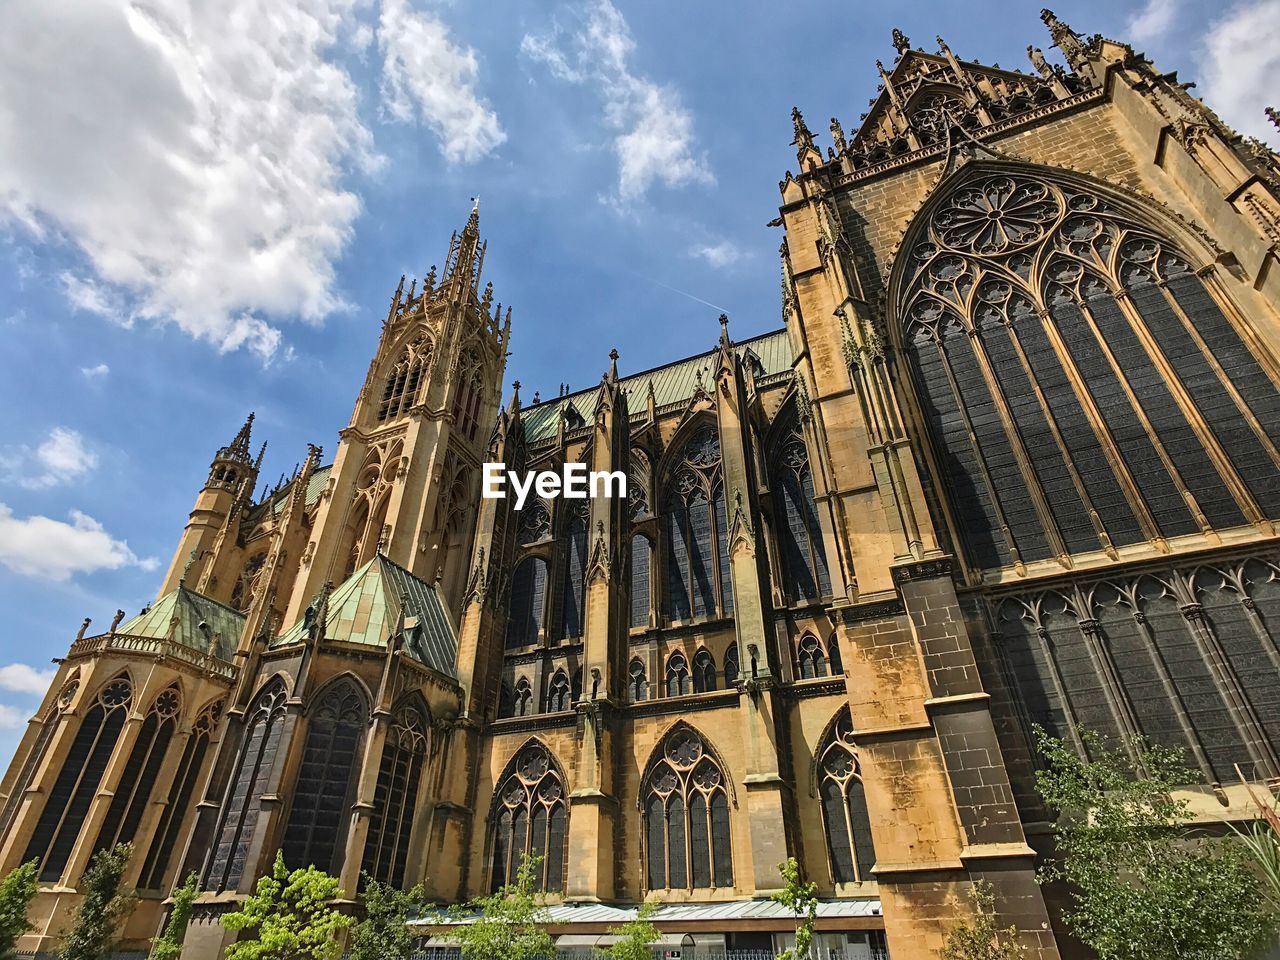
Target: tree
[1142, 887]
[17, 890]
[509, 921]
[102, 906]
[981, 938]
[383, 934]
[802, 900]
[635, 936]
[168, 946]
[1261, 838]
[289, 917]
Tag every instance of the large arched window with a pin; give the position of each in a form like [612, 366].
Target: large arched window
[804, 561]
[395, 797]
[182, 788]
[68, 802]
[699, 581]
[528, 602]
[1083, 387]
[573, 602]
[250, 779]
[678, 680]
[704, 671]
[637, 682]
[31, 762]
[133, 792]
[641, 552]
[326, 778]
[529, 819]
[401, 386]
[844, 804]
[686, 818]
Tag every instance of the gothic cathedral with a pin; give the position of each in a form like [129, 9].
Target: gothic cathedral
[1012, 459]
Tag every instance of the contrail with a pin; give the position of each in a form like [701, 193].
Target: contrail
[682, 293]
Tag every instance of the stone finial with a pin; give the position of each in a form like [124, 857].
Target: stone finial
[83, 627]
[514, 405]
[901, 42]
[115, 621]
[837, 136]
[613, 365]
[1037, 58]
[803, 138]
[1273, 115]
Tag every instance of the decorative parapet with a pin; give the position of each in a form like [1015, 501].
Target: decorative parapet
[153, 648]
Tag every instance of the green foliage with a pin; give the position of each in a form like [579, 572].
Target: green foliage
[17, 890]
[510, 921]
[383, 933]
[981, 938]
[1143, 888]
[1261, 839]
[168, 946]
[288, 917]
[802, 900]
[636, 936]
[102, 906]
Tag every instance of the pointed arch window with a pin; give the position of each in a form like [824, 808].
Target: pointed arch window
[395, 797]
[133, 792]
[528, 602]
[699, 581]
[704, 671]
[573, 604]
[686, 818]
[529, 819]
[679, 682]
[251, 778]
[804, 559]
[637, 682]
[31, 762]
[638, 476]
[844, 804]
[641, 554]
[466, 398]
[182, 788]
[73, 791]
[731, 668]
[558, 693]
[326, 779]
[813, 662]
[401, 387]
[1082, 386]
[523, 698]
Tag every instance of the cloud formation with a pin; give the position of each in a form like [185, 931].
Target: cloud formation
[61, 458]
[725, 253]
[12, 718]
[97, 372]
[426, 76]
[39, 546]
[198, 160]
[1240, 62]
[21, 678]
[653, 136]
[1152, 22]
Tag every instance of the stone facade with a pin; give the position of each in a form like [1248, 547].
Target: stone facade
[1013, 459]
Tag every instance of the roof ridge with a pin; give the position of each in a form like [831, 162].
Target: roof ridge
[203, 596]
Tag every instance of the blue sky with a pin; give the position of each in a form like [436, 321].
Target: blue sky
[204, 209]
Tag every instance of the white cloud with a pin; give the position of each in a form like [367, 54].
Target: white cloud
[425, 74]
[38, 546]
[12, 718]
[193, 153]
[653, 132]
[97, 372]
[1240, 61]
[24, 679]
[1152, 22]
[61, 458]
[722, 254]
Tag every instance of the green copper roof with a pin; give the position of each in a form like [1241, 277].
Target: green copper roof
[177, 616]
[672, 383]
[366, 608]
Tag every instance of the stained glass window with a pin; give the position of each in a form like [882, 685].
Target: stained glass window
[686, 813]
[529, 818]
[844, 804]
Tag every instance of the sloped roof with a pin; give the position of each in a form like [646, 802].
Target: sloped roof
[177, 616]
[274, 504]
[672, 913]
[672, 383]
[366, 607]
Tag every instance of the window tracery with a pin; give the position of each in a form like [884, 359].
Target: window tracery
[395, 798]
[699, 580]
[686, 814]
[844, 805]
[400, 389]
[530, 819]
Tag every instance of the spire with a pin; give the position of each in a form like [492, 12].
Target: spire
[837, 136]
[239, 446]
[1065, 39]
[803, 138]
[466, 250]
[901, 42]
[514, 405]
[612, 375]
[725, 342]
